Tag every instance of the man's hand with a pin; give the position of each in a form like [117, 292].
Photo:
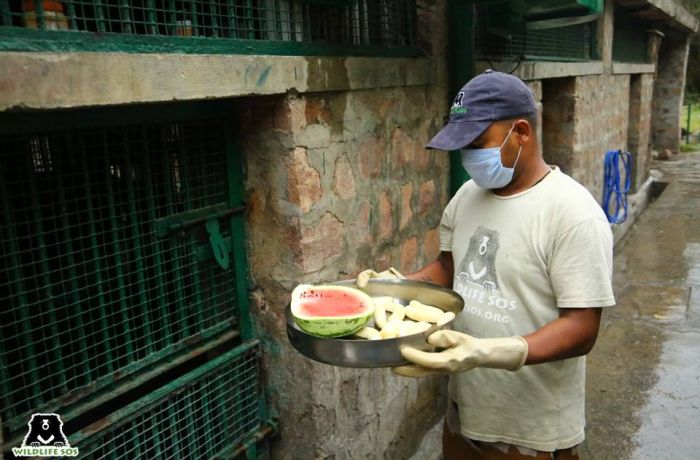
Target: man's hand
[462, 353]
[364, 277]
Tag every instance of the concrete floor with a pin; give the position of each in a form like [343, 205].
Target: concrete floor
[643, 391]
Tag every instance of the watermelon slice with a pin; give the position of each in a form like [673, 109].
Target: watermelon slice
[330, 311]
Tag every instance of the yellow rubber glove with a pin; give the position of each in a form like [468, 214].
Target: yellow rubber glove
[462, 353]
[364, 277]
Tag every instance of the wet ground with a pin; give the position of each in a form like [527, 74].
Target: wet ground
[643, 395]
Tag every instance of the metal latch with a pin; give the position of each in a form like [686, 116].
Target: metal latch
[218, 247]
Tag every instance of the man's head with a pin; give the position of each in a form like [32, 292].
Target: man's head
[493, 120]
[492, 98]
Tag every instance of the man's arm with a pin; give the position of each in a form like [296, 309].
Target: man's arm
[440, 271]
[573, 334]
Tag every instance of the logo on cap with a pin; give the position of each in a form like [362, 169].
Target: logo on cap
[457, 104]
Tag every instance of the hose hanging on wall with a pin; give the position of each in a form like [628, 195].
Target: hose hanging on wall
[614, 192]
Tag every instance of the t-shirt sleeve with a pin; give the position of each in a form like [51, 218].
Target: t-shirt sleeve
[447, 224]
[581, 266]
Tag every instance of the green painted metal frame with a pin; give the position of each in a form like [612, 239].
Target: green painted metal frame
[294, 27]
[630, 39]
[26, 122]
[19, 39]
[538, 45]
[461, 69]
[101, 432]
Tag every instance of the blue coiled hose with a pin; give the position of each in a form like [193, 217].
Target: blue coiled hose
[614, 193]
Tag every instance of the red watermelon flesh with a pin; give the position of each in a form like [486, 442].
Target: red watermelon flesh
[330, 311]
[330, 303]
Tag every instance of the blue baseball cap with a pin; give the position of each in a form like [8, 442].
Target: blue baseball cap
[489, 97]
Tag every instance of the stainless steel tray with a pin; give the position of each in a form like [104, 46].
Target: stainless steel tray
[349, 352]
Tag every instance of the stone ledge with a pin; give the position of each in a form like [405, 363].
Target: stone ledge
[625, 68]
[541, 70]
[663, 10]
[637, 203]
[64, 80]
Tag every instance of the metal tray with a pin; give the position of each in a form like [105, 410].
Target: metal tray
[349, 352]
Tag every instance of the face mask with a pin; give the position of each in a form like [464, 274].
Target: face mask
[485, 167]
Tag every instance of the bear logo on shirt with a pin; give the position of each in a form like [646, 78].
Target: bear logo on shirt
[479, 263]
[45, 430]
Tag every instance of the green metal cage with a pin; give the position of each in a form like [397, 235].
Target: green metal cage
[212, 412]
[630, 39]
[502, 34]
[122, 244]
[220, 26]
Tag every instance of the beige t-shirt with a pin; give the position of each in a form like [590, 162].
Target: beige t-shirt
[518, 260]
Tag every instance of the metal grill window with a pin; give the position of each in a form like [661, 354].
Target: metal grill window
[385, 23]
[629, 39]
[200, 416]
[87, 286]
[496, 38]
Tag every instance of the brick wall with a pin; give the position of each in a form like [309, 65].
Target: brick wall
[602, 111]
[338, 182]
[583, 117]
[668, 93]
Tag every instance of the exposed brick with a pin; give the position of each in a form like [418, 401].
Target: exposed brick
[406, 211]
[382, 262]
[361, 232]
[317, 111]
[422, 157]
[321, 243]
[386, 218]
[343, 181]
[371, 156]
[409, 254]
[402, 148]
[427, 196]
[303, 180]
[297, 112]
[256, 206]
[431, 244]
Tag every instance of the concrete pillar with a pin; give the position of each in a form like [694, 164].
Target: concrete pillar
[604, 38]
[558, 122]
[638, 131]
[668, 93]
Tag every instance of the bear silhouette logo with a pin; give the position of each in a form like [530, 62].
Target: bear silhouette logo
[479, 263]
[45, 430]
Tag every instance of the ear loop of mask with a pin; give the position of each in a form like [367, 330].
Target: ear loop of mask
[500, 149]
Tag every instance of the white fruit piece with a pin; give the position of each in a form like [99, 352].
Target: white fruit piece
[391, 330]
[379, 315]
[410, 328]
[446, 318]
[398, 312]
[368, 333]
[420, 312]
[383, 300]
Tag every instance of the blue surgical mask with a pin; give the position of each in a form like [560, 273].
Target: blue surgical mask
[484, 166]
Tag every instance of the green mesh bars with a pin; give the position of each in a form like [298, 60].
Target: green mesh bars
[113, 232]
[503, 31]
[222, 26]
[630, 39]
[205, 414]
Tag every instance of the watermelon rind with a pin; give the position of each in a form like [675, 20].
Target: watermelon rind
[331, 326]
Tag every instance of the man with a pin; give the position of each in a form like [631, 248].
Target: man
[530, 251]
